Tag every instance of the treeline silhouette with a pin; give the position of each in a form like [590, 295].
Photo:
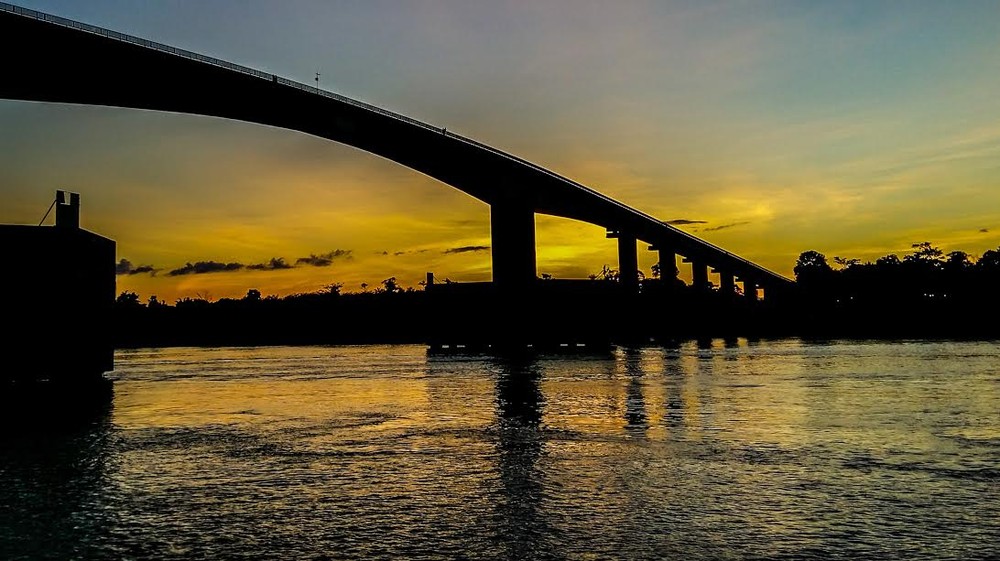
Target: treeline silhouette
[926, 293]
[553, 312]
[325, 316]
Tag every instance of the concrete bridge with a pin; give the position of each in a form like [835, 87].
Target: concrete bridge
[52, 59]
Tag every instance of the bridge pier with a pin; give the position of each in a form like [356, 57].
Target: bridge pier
[667, 261]
[750, 289]
[699, 275]
[727, 283]
[628, 261]
[512, 229]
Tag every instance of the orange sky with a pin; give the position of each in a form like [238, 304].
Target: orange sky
[852, 129]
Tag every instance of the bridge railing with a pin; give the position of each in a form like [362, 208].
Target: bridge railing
[160, 47]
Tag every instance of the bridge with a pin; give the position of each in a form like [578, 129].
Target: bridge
[53, 59]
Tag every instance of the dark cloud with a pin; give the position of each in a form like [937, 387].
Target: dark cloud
[467, 249]
[203, 267]
[984, 230]
[125, 267]
[274, 264]
[324, 259]
[683, 222]
[724, 226]
[402, 252]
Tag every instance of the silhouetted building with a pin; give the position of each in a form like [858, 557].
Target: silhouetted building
[57, 289]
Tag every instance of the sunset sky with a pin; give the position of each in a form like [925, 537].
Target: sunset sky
[851, 128]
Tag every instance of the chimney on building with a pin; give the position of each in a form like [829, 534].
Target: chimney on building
[67, 212]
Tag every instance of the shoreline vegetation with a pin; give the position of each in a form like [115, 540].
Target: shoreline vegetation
[925, 294]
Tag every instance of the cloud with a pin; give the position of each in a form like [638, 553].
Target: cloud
[984, 230]
[203, 267]
[405, 252]
[125, 267]
[274, 264]
[724, 226]
[467, 249]
[324, 259]
[683, 222]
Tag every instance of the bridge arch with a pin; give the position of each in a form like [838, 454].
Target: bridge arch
[59, 60]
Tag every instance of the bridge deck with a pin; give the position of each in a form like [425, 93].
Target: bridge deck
[60, 60]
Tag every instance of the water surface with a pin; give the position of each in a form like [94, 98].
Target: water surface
[762, 449]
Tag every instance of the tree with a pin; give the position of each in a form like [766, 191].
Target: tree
[925, 253]
[253, 295]
[390, 286]
[957, 261]
[846, 263]
[128, 300]
[888, 261]
[990, 261]
[811, 263]
[607, 274]
[815, 276]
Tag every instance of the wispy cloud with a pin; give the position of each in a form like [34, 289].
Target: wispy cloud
[725, 226]
[403, 252]
[125, 267]
[683, 222]
[204, 267]
[467, 249]
[276, 263]
[324, 259]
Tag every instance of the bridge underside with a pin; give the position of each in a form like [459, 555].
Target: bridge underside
[55, 62]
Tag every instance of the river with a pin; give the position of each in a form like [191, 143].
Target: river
[739, 449]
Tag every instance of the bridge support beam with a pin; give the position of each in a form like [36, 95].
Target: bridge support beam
[667, 261]
[628, 261]
[727, 283]
[512, 229]
[750, 289]
[699, 275]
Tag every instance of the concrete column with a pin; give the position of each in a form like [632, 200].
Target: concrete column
[727, 283]
[699, 275]
[750, 289]
[628, 263]
[668, 262]
[512, 228]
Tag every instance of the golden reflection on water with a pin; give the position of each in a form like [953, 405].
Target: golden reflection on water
[705, 449]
